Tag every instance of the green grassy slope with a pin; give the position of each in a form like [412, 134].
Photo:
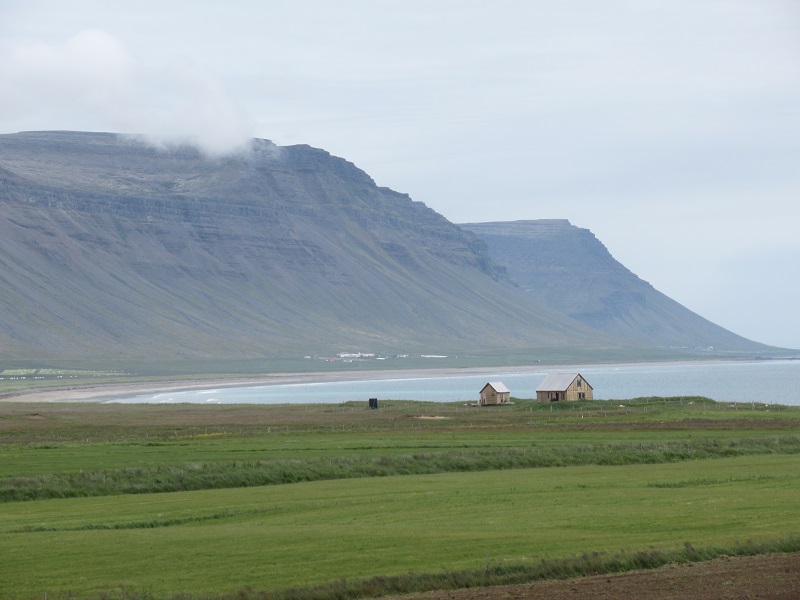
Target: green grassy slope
[300, 534]
[655, 473]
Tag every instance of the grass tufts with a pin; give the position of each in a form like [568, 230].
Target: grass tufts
[593, 563]
[232, 474]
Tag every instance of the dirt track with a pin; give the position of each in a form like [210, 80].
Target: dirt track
[770, 577]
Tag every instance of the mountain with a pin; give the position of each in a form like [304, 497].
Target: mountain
[569, 270]
[112, 248]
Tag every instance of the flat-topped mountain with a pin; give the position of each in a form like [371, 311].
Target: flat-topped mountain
[112, 248]
[569, 270]
[115, 249]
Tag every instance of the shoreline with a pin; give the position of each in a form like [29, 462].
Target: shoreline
[102, 392]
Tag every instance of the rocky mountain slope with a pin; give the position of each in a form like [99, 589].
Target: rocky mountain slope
[112, 248]
[569, 270]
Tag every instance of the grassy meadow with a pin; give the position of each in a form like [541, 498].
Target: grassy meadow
[196, 501]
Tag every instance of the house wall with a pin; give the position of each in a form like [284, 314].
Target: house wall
[577, 388]
[573, 392]
[491, 397]
[549, 396]
[488, 397]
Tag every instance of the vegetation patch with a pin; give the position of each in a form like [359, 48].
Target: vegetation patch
[233, 474]
[151, 524]
[314, 533]
[594, 563]
[706, 481]
[339, 501]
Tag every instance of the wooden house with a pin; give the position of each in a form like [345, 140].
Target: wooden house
[495, 392]
[564, 386]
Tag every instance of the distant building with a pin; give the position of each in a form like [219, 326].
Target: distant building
[564, 386]
[495, 392]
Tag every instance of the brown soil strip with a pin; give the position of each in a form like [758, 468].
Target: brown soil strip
[768, 577]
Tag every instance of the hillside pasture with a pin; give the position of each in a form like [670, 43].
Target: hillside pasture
[659, 475]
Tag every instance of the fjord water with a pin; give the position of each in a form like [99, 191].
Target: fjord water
[770, 382]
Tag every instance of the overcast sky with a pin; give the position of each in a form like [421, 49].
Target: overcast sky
[669, 128]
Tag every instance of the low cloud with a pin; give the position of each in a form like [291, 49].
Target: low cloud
[92, 82]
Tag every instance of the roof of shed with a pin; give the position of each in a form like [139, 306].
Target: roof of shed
[558, 382]
[498, 387]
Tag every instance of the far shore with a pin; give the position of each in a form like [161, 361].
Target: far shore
[116, 391]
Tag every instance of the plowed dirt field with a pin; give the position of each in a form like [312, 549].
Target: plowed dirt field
[769, 577]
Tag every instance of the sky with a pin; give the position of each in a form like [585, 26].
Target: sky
[669, 128]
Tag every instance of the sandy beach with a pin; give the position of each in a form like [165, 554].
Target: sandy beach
[103, 392]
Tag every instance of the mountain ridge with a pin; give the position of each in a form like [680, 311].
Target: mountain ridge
[113, 248]
[569, 270]
[110, 246]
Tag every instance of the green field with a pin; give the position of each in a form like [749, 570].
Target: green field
[214, 501]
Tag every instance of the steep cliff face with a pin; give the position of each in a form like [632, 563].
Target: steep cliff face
[110, 247]
[569, 270]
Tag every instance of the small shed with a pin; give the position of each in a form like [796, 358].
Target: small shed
[564, 386]
[495, 392]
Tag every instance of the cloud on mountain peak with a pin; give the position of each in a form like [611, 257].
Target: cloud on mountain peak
[92, 82]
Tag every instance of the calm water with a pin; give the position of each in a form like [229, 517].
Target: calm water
[776, 382]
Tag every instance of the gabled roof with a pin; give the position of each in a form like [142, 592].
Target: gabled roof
[497, 386]
[558, 382]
